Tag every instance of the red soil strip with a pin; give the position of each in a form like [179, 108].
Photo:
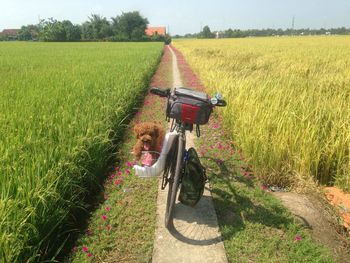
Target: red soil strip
[189, 78]
[341, 201]
[160, 78]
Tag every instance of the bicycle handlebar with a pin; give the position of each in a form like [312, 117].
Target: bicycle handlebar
[160, 92]
[221, 103]
[166, 93]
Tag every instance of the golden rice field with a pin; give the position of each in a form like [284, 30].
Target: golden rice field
[288, 102]
[62, 108]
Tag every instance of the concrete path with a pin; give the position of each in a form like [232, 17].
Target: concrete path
[196, 237]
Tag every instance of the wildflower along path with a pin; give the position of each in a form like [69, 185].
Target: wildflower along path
[196, 237]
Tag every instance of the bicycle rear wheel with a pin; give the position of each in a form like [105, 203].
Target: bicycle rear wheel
[174, 183]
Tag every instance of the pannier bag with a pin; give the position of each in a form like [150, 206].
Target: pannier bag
[193, 179]
[189, 106]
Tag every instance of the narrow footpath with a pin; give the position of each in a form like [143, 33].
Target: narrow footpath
[196, 237]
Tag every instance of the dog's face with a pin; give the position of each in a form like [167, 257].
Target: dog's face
[147, 133]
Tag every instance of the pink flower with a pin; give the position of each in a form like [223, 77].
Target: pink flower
[116, 168]
[297, 238]
[119, 173]
[129, 164]
[117, 182]
[127, 171]
[215, 125]
[85, 249]
[89, 255]
[104, 217]
[263, 187]
[107, 208]
[220, 146]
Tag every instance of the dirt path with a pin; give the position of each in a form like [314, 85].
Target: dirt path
[317, 216]
[196, 237]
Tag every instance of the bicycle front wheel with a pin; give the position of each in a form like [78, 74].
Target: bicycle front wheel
[174, 184]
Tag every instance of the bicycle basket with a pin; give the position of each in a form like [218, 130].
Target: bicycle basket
[189, 106]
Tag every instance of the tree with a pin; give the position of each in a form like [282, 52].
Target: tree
[97, 28]
[206, 33]
[24, 33]
[52, 30]
[73, 32]
[86, 31]
[129, 26]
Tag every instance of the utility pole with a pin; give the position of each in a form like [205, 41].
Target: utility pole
[168, 30]
[293, 23]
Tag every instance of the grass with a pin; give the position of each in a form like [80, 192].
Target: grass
[126, 232]
[254, 225]
[288, 103]
[63, 108]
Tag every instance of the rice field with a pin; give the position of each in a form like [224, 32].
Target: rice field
[288, 103]
[62, 108]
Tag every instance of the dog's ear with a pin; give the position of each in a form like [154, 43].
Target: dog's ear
[137, 128]
[158, 128]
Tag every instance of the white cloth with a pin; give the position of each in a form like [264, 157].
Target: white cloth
[158, 167]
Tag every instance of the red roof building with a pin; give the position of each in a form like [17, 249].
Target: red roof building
[9, 32]
[150, 31]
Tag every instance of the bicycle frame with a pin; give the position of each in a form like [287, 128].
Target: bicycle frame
[172, 176]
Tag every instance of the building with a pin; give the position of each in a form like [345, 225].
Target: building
[9, 32]
[150, 31]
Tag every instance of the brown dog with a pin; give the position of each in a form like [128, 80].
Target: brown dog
[150, 137]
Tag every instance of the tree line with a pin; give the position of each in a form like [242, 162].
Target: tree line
[237, 33]
[128, 26]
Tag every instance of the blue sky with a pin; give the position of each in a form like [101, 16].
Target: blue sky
[186, 16]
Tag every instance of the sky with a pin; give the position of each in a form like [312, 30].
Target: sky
[186, 16]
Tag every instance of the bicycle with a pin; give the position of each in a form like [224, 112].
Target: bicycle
[186, 108]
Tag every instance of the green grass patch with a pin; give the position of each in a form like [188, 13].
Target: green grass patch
[122, 227]
[62, 109]
[254, 225]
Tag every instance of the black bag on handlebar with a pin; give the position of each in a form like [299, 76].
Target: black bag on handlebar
[189, 106]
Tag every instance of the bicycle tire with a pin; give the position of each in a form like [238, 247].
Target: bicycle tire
[174, 184]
